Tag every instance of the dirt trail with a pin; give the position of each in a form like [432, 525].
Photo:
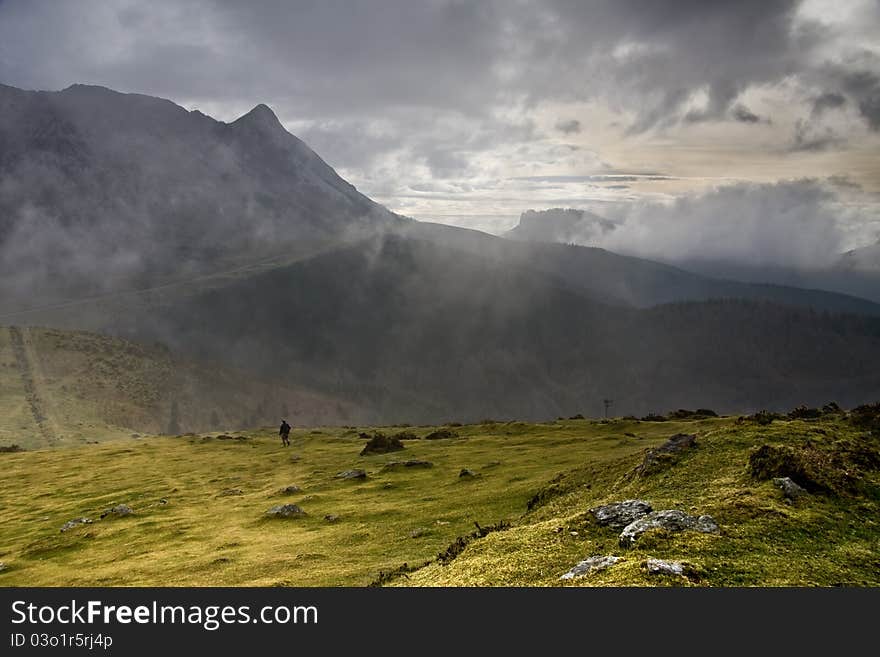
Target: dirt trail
[26, 370]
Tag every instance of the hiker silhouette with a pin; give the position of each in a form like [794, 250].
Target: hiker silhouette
[284, 432]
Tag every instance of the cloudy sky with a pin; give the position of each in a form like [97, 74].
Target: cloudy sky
[472, 112]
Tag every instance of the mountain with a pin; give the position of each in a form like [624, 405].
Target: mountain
[417, 332]
[103, 191]
[626, 280]
[70, 387]
[845, 287]
[237, 247]
[865, 259]
[558, 225]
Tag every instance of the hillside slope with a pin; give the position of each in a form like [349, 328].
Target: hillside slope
[520, 518]
[62, 388]
[105, 191]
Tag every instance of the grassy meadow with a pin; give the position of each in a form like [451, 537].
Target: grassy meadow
[200, 507]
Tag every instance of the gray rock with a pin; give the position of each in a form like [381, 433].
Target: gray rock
[120, 511]
[290, 490]
[619, 514]
[661, 567]
[671, 520]
[331, 517]
[790, 490]
[352, 474]
[76, 522]
[418, 532]
[657, 458]
[591, 565]
[285, 511]
[467, 473]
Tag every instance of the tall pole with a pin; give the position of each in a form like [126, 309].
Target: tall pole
[607, 403]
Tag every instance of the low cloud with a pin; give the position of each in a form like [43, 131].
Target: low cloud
[793, 223]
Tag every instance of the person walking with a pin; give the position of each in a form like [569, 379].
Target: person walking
[284, 432]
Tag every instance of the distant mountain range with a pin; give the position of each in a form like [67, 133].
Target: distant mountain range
[856, 273]
[236, 244]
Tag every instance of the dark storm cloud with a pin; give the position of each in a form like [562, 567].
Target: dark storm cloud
[568, 127]
[865, 87]
[344, 57]
[808, 138]
[455, 66]
[742, 114]
[828, 101]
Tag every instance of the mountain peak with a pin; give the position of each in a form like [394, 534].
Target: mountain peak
[261, 116]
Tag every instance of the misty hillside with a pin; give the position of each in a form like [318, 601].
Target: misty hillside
[866, 259]
[558, 225]
[103, 190]
[420, 332]
[237, 245]
[626, 280]
[69, 387]
[845, 287]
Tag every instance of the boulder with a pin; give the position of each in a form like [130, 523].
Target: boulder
[76, 522]
[285, 511]
[591, 565]
[352, 474]
[467, 473]
[671, 520]
[790, 490]
[330, 517]
[661, 567]
[619, 514]
[290, 490]
[120, 511]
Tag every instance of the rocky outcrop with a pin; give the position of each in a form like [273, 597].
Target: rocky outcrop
[76, 522]
[671, 520]
[659, 457]
[285, 511]
[290, 490]
[592, 564]
[119, 511]
[790, 490]
[352, 474]
[619, 514]
[662, 567]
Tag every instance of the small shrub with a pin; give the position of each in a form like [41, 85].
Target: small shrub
[382, 444]
[441, 434]
[804, 413]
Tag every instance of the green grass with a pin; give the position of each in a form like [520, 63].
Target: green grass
[90, 387]
[410, 515]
